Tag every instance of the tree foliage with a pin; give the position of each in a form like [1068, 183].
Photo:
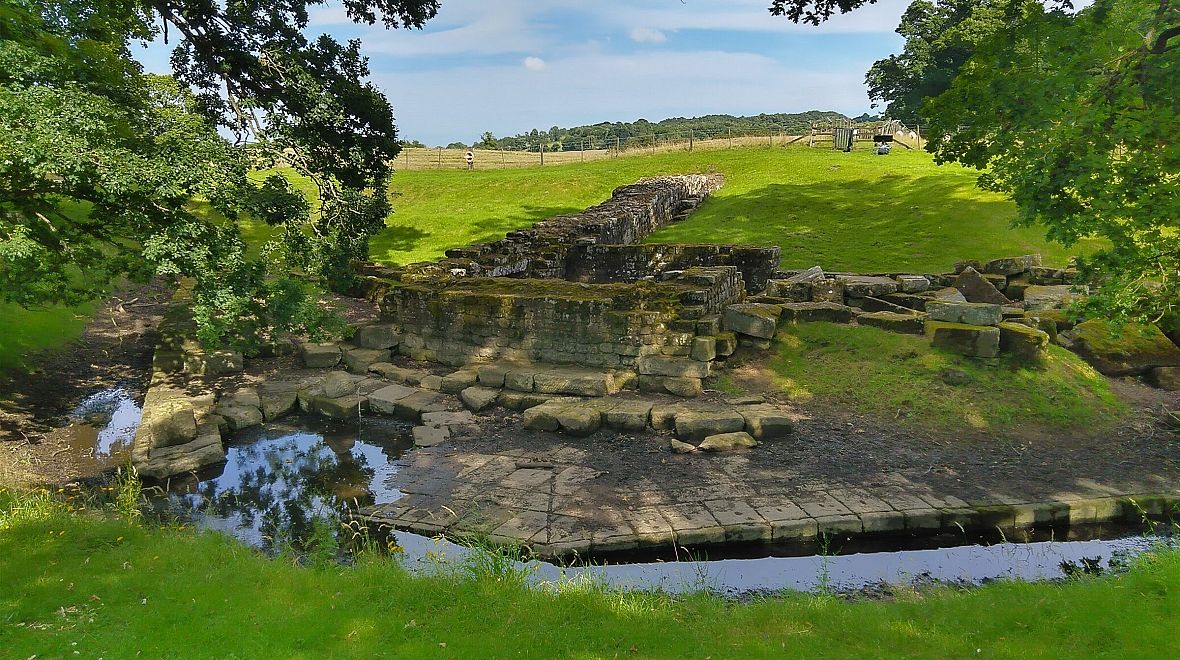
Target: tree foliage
[1076, 116]
[100, 163]
[940, 35]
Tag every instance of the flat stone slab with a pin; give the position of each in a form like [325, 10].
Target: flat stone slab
[384, 401]
[861, 286]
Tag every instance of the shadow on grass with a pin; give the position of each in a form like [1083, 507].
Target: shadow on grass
[894, 222]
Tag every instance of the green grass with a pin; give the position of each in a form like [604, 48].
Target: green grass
[24, 331]
[99, 586]
[843, 211]
[889, 374]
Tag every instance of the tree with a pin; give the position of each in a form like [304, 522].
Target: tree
[100, 163]
[940, 35]
[487, 141]
[1076, 115]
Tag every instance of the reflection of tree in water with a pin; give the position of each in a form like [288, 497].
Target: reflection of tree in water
[272, 489]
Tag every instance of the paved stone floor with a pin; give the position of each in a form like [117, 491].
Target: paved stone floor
[614, 491]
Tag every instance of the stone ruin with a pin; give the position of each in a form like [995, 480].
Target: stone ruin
[579, 326]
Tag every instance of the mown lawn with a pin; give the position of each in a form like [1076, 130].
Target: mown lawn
[843, 211]
[96, 586]
[901, 376]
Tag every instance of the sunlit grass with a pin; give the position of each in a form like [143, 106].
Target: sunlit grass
[902, 376]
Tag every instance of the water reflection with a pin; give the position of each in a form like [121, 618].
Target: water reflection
[103, 425]
[279, 478]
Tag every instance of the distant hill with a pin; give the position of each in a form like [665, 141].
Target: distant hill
[558, 138]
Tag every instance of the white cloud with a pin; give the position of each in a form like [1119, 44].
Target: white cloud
[647, 36]
[745, 15]
[534, 63]
[592, 88]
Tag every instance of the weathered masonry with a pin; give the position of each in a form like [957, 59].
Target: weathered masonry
[580, 290]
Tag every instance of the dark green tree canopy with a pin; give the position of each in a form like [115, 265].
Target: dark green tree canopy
[100, 164]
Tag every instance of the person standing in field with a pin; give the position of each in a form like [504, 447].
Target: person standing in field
[470, 159]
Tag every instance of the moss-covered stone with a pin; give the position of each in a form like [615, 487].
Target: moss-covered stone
[1133, 350]
[970, 340]
[1023, 342]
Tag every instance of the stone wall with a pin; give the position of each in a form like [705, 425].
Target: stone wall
[597, 263]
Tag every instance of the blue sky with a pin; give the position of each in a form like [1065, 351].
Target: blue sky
[507, 66]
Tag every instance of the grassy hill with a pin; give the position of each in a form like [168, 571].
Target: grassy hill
[843, 211]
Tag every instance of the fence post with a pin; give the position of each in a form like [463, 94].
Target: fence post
[440, 158]
[690, 139]
[542, 154]
[729, 134]
[582, 150]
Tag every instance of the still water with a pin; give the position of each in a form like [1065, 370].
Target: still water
[280, 478]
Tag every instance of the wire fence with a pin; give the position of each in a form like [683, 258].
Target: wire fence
[592, 149]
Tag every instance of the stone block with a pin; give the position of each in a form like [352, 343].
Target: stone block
[492, 375]
[478, 398]
[726, 343]
[541, 418]
[167, 361]
[519, 380]
[384, 401]
[429, 436]
[1130, 351]
[319, 356]
[679, 447]
[347, 407]
[431, 382]
[168, 420]
[910, 324]
[1012, 265]
[458, 381]
[978, 289]
[277, 400]
[945, 294]
[1058, 296]
[205, 450]
[448, 418]
[964, 313]
[709, 325]
[578, 420]
[753, 319]
[815, 312]
[704, 349]
[518, 401]
[213, 363]
[673, 366]
[628, 416]
[784, 291]
[766, 422]
[380, 336]
[1025, 343]
[912, 283]
[696, 425]
[358, 360]
[970, 340]
[663, 416]
[337, 384]
[871, 304]
[239, 417]
[827, 290]
[397, 374]
[413, 406]
[577, 382]
[862, 286]
[686, 387]
[727, 442]
[1166, 378]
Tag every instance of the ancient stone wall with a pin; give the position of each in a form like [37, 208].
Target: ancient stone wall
[597, 263]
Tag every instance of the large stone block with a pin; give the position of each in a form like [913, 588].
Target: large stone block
[910, 324]
[358, 360]
[1050, 297]
[1012, 265]
[970, 340]
[812, 312]
[379, 336]
[203, 451]
[458, 381]
[766, 422]
[965, 313]
[628, 415]
[1127, 351]
[238, 416]
[704, 349]
[912, 283]
[319, 356]
[337, 384]
[168, 420]
[384, 401]
[520, 380]
[578, 419]
[827, 290]
[572, 381]
[213, 362]
[695, 425]
[674, 367]
[478, 398]
[541, 418]
[347, 407]
[726, 343]
[685, 387]
[727, 442]
[1026, 343]
[412, 407]
[861, 286]
[978, 289]
[277, 400]
[754, 319]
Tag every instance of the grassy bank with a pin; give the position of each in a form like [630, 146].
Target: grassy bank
[901, 376]
[851, 211]
[100, 586]
[24, 331]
